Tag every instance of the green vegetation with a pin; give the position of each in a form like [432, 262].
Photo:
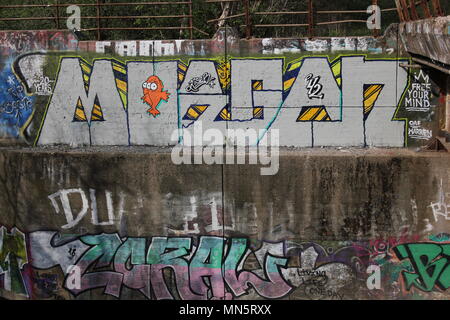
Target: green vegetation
[202, 12]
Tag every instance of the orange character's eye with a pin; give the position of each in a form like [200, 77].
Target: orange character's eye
[150, 85]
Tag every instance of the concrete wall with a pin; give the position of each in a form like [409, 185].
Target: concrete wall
[427, 38]
[337, 92]
[117, 218]
[331, 225]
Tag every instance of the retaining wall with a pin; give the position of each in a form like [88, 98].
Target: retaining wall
[96, 208]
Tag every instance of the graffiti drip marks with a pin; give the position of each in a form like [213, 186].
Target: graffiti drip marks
[441, 208]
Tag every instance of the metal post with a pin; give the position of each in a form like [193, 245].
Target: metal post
[310, 19]
[191, 24]
[98, 19]
[447, 104]
[248, 23]
[399, 10]
[414, 15]
[437, 8]
[57, 15]
[426, 9]
[405, 10]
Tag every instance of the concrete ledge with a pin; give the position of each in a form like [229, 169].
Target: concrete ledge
[369, 185]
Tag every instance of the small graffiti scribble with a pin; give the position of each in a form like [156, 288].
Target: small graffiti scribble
[72, 252]
[314, 87]
[42, 85]
[16, 106]
[196, 83]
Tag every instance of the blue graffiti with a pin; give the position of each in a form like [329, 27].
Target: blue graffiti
[16, 107]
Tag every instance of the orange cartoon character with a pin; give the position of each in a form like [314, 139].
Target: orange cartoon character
[153, 94]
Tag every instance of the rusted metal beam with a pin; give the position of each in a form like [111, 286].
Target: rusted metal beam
[280, 13]
[220, 1]
[98, 20]
[432, 65]
[414, 15]
[191, 23]
[339, 11]
[248, 23]
[425, 8]
[226, 18]
[12, 6]
[399, 10]
[310, 18]
[405, 10]
[340, 21]
[279, 25]
[27, 18]
[57, 14]
[437, 8]
[201, 31]
[93, 17]
[139, 28]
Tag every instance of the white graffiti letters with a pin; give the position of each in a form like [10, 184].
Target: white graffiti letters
[351, 101]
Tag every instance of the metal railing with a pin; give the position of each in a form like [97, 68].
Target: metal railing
[311, 14]
[100, 19]
[410, 10]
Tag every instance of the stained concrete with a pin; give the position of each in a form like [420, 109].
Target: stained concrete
[318, 194]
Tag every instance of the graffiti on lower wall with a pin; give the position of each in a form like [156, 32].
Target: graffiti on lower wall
[431, 266]
[50, 265]
[350, 101]
[441, 208]
[233, 266]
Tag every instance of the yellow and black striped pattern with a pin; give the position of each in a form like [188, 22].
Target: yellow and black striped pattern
[97, 113]
[371, 94]
[336, 68]
[182, 68]
[86, 71]
[194, 112]
[224, 72]
[224, 115]
[79, 115]
[313, 114]
[258, 113]
[289, 77]
[120, 75]
[257, 85]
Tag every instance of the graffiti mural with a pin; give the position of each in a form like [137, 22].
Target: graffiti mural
[16, 102]
[418, 97]
[430, 262]
[50, 265]
[140, 264]
[16, 106]
[315, 102]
